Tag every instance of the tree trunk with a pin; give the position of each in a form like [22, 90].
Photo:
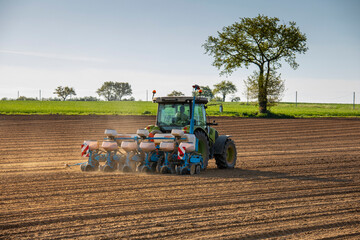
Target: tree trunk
[224, 97]
[263, 107]
[262, 93]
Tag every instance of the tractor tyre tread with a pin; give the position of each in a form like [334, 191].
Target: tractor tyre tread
[201, 136]
[221, 159]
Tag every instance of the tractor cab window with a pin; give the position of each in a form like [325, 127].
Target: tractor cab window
[175, 115]
[200, 115]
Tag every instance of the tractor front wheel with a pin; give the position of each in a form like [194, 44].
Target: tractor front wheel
[228, 158]
[203, 146]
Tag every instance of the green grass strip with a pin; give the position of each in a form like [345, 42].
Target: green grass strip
[282, 110]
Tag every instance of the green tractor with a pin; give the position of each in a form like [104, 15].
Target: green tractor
[189, 114]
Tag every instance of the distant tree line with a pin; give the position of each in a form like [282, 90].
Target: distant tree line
[111, 91]
[116, 91]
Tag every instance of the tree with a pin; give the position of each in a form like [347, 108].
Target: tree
[224, 88]
[175, 94]
[129, 99]
[207, 92]
[107, 91]
[113, 91]
[64, 92]
[276, 87]
[235, 99]
[261, 41]
[122, 89]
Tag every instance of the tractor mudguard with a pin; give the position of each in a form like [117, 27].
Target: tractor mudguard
[220, 144]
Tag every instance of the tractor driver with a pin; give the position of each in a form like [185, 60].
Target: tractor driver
[181, 117]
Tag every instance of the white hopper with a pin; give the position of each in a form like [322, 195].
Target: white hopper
[110, 132]
[93, 145]
[129, 146]
[167, 146]
[190, 143]
[109, 146]
[147, 146]
[143, 132]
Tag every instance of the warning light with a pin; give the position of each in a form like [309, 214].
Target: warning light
[196, 87]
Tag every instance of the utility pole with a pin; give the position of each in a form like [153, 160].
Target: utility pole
[147, 94]
[296, 99]
[247, 97]
[18, 94]
[40, 95]
[354, 101]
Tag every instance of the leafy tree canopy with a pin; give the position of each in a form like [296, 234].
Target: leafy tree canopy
[224, 88]
[207, 92]
[235, 99]
[114, 91]
[261, 41]
[64, 92]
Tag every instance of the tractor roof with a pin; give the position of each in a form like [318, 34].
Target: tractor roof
[180, 99]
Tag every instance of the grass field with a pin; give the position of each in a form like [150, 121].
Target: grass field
[77, 107]
[283, 110]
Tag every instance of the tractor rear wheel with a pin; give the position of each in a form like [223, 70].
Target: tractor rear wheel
[145, 169]
[164, 170]
[197, 169]
[203, 146]
[228, 158]
[107, 168]
[153, 166]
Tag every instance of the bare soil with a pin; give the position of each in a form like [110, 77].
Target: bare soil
[295, 178]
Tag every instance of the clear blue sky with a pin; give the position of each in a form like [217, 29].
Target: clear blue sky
[158, 45]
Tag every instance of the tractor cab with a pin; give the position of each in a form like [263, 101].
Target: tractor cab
[176, 113]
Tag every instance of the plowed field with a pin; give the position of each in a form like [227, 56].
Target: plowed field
[295, 178]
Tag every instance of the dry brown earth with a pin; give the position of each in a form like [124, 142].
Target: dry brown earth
[295, 178]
